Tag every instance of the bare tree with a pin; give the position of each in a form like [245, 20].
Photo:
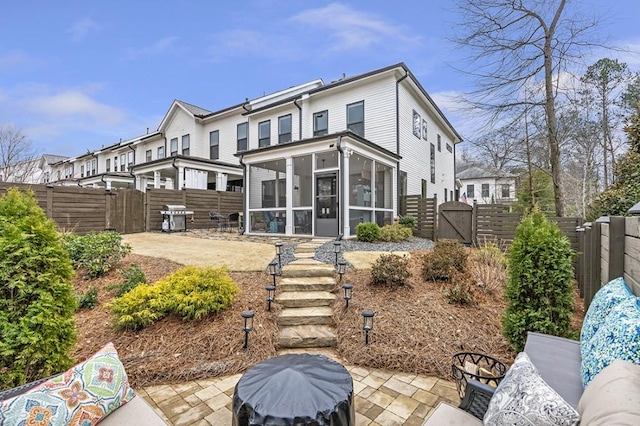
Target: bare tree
[516, 44]
[18, 159]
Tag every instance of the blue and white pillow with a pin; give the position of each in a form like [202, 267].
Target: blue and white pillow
[618, 337]
[603, 302]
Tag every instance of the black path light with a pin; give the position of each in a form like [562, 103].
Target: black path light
[348, 292]
[271, 290]
[279, 253]
[273, 270]
[248, 326]
[367, 324]
[342, 268]
[337, 245]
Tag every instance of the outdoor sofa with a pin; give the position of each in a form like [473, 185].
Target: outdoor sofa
[594, 381]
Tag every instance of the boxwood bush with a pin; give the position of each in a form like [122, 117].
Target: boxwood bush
[447, 257]
[395, 233]
[369, 232]
[539, 286]
[37, 304]
[96, 252]
[390, 269]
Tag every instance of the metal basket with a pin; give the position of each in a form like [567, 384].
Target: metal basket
[495, 370]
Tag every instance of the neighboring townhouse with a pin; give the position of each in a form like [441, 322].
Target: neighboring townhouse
[35, 171]
[484, 186]
[313, 159]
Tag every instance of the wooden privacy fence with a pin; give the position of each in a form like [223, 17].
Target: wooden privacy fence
[125, 210]
[424, 210]
[608, 248]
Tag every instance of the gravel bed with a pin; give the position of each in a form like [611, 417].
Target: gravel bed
[325, 252]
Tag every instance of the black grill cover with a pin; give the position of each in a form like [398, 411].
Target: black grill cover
[299, 389]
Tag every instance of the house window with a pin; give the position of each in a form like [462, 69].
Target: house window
[123, 161]
[131, 158]
[417, 122]
[108, 165]
[88, 168]
[449, 148]
[403, 183]
[445, 195]
[355, 118]
[214, 145]
[115, 163]
[264, 133]
[439, 144]
[485, 190]
[174, 147]
[147, 155]
[160, 152]
[269, 195]
[471, 191]
[58, 174]
[424, 188]
[506, 190]
[284, 129]
[94, 166]
[186, 143]
[242, 137]
[81, 171]
[320, 123]
[432, 158]
[46, 177]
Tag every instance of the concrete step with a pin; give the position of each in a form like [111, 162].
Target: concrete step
[308, 268]
[319, 315]
[304, 299]
[307, 336]
[307, 247]
[304, 255]
[307, 284]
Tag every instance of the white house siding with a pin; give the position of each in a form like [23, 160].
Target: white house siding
[227, 126]
[415, 151]
[495, 190]
[180, 124]
[272, 115]
[378, 95]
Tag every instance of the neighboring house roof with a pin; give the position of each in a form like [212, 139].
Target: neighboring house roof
[477, 172]
[195, 110]
[52, 158]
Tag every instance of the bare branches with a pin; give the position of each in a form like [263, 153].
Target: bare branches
[17, 156]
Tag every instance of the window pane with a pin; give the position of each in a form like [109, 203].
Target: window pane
[174, 146]
[320, 123]
[327, 160]
[242, 137]
[302, 181]
[432, 156]
[470, 191]
[485, 190]
[383, 184]
[214, 143]
[264, 133]
[360, 180]
[355, 118]
[148, 155]
[506, 189]
[161, 152]
[186, 142]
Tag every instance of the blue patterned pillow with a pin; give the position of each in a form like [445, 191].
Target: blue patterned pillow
[617, 338]
[605, 299]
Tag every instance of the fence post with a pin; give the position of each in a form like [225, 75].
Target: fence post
[474, 224]
[50, 201]
[580, 261]
[435, 217]
[615, 250]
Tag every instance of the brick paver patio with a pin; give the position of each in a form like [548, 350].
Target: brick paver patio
[381, 398]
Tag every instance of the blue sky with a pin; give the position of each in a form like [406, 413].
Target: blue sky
[76, 75]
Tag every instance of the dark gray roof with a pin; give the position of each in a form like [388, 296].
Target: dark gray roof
[478, 172]
[195, 110]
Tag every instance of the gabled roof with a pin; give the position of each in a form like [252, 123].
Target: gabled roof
[195, 110]
[52, 158]
[479, 172]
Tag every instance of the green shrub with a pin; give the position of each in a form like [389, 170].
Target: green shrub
[37, 304]
[395, 233]
[390, 269]
[369, 232]
[408, 221]
[446, 257]
[490, 254]
[133, 276]
[458, 291]
[539, 287]
[87, 300]
[97, 252]
[190, 292]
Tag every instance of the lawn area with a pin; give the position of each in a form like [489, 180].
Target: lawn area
[416, 330]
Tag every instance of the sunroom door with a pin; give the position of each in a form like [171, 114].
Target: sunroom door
[327, 205]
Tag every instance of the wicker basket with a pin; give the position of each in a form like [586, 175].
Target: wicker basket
[480, 367]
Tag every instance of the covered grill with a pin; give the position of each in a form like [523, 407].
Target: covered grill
[174, 217]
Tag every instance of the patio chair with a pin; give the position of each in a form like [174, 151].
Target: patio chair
[233, 221]
[218, 221]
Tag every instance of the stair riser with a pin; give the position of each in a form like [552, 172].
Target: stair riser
[304, 320]
[305, 249]
[305, 287]
[307, 272]
[316, 342]
[303, 303]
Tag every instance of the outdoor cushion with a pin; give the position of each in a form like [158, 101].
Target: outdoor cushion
[523, 397]
[613, 396]
[445, 414]
[557, 360]
[605, 299]
[617, 338]
[82, 395]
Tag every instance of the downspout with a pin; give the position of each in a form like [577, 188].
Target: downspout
[398, 183]
[244, 204]
[295, 102]
[173, 164]
[340, 189]
[134, 163]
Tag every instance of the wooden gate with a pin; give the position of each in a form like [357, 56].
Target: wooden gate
[125, 211]
[455, 222]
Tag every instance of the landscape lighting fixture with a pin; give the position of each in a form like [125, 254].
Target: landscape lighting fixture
[336, 249]
[271, 289]
[367, 324]
[273, 270]
[248, 326]
[348, 292]
[279, 253]
[342, 268]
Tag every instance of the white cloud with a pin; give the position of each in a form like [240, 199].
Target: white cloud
[13, 59]
[163, 46]
[351, 29]
[83, 28]
[74, 103]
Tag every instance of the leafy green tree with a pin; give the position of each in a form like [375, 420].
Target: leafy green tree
[539, 288]
[37, 328]
[542, 193]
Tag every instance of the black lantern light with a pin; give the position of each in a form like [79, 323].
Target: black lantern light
[348, 292]
[248, 326]
[336, 249]
[273, 270]
[279, 253]
[271, 290]
[367, 324]
[341, 268]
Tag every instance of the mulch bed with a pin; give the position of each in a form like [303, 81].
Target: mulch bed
[415, 329]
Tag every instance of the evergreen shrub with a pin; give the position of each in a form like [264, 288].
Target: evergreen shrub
[446, 257]
[395, 233]
[96, 252]
[539, 289]
[133, 276]
[89, 299]
[369, 232]
[390, 269]
[37, 304]
[408, 221]
[458, 290]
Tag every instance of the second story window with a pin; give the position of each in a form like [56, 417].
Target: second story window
[131, 159]
[94, 166]
[123, 161]
[355, 118]
[439, 144]
[214, 145]
[284, 129]
[174, 147]
[471, 193]
[107, 166]
[432, 160]
[320, 123]
[506, 190]
[242, 137]
[81, 171]
[88, 168]
[264, 133]
[186, 144]
[160, 152]
[147, 155]
[485, 190]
